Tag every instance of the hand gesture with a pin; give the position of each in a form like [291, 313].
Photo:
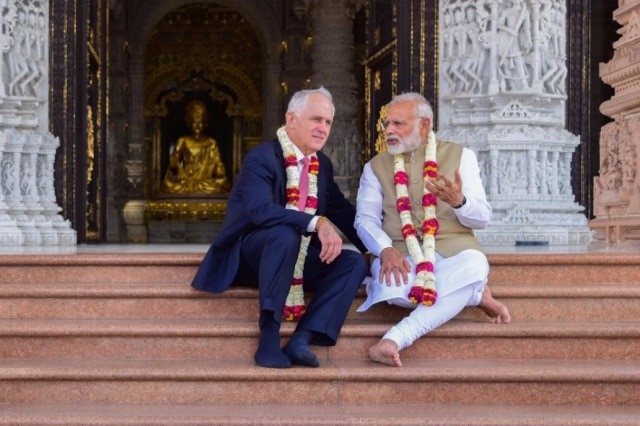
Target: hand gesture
[446, 190]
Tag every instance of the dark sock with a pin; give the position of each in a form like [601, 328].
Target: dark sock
[298, 349]
[269, 353]
[302, 336]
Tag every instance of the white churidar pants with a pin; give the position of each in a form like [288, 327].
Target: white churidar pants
[460, 281]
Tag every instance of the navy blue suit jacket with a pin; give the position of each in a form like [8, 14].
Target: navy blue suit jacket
[258, 200]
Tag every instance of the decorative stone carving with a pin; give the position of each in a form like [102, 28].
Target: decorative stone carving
[29, 214]
[503, 96]
[617, 187]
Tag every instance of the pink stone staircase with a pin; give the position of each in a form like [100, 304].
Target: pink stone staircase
[123, 339]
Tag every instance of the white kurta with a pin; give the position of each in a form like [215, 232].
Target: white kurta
[460, 279]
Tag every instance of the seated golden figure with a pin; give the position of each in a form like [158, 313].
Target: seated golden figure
[195, 166]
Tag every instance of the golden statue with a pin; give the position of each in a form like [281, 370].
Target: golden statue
[195, 165]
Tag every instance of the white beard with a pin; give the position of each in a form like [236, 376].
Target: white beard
[406, 144]
[396, 149]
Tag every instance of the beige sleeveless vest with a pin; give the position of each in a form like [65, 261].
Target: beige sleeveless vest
[452, 237]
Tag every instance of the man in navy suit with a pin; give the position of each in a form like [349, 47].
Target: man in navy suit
[261, 237]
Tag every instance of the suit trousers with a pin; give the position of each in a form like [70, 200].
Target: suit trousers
[267, 260]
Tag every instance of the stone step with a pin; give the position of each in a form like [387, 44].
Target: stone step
[316, 414]
[550, 268]
[100, 268]
[543, 301]
[206, 381]
[178, 300]
[529, 268]
[204, 338]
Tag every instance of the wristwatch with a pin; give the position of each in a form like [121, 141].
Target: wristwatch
[462, 203]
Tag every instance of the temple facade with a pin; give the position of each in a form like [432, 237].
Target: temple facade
[98, 100]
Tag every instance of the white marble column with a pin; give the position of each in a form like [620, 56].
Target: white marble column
[502, 79]
[29, 214]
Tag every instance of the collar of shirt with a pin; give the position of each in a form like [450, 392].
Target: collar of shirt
[299, 157]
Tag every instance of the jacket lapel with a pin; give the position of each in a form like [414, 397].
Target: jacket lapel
[281, 175]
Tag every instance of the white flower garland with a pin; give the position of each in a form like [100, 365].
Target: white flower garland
[424, 287]
[295, 307]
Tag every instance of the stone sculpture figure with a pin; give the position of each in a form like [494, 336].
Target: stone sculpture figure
[476, 56]
[514, 41]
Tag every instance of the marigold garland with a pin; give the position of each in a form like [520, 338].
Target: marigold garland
[294, 307]
[424, 286]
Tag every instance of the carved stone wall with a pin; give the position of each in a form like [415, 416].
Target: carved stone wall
[29, 214]
[502, 77]
[617, 187]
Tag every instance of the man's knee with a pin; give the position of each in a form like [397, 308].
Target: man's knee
[357, 260]
[476, 263]
[282, 236]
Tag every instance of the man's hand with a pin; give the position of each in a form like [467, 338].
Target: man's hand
[445, 190]
[330, 241]
[392, 262]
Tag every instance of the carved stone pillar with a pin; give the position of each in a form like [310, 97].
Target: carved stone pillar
[332, 53]
[28, 213]
[617, 188]
[502, 78]
[133, 210]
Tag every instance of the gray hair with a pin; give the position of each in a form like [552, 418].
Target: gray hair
[300, 98]
[423, 107]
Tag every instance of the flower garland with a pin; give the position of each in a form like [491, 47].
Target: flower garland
[424, 287]
[294, 307]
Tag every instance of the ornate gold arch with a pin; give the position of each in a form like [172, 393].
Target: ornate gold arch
[247, 100]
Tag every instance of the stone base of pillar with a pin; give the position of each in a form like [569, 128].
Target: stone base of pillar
[617, 231]
[533, 224]
[10, 234]
[39, 230]
[509, 235]
[65, 235]
[29, 215]
[30, 235]
[133, 213]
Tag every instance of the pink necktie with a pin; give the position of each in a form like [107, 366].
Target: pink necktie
[304, 184]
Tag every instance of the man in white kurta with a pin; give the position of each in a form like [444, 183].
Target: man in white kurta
[461, 269]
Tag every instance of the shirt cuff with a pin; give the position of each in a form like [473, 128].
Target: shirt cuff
[311, 227]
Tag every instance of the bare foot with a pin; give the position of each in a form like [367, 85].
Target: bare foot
[385, 352]
[498, 312]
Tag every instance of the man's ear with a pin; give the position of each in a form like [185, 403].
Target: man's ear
[290, 117]
[426, 124]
